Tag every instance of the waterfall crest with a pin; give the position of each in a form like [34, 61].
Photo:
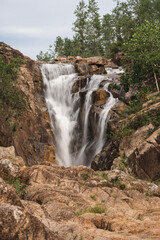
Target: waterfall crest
[64, 109]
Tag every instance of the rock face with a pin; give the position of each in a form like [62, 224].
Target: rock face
[33, 139]
[78, 203]
[145, 158]
[91, 65]
[100, 97]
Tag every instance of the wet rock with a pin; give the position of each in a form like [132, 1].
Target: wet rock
[82, 69]
[80, 83]
[100, 96]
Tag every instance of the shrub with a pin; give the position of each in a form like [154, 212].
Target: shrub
[10, 94]
[142, 56]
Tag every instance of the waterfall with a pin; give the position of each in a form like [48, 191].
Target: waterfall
[64, 109]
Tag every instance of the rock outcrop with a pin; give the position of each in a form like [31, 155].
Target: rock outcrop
[33, 137]
[77, 203]
[86, 66]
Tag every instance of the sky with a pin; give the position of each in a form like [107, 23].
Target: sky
[32, 25]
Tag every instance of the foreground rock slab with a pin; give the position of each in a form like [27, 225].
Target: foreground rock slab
[76, 203]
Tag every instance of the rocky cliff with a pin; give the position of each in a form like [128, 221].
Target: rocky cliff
[30, 130]
[117, 199]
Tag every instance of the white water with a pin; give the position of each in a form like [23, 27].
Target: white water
[114, 71]
[63, 107]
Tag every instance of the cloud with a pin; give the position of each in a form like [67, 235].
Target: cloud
[32, 25]
[21, 30]
[34, 31]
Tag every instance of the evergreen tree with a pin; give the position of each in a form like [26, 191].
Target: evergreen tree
[79, 28]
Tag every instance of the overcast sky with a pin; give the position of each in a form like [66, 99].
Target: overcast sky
[32, 25]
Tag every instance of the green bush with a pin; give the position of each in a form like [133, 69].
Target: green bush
[19, 186]
[10, 95]
[142, 56]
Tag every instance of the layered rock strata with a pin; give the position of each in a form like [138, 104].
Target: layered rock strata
[33, 137]
[51, 202]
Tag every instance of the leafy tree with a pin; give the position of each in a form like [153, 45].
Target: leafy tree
[107, 34]
[10, 95]
[80, 26]
[93, 29]
[123, 21]
[142, 55]
[47, 56]
[59, 46]
[68, 47]
[95, 36]
[145, 10]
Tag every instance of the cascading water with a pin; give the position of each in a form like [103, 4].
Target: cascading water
[64, 106]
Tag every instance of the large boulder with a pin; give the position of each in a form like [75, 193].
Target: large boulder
[145, 159]
[97, 61]
[100, 96]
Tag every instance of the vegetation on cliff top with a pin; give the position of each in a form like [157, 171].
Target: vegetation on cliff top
[133, 27]
[142, 56]
[103, 35]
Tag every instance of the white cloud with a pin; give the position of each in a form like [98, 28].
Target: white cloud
[35, 31]
[20, 30]
[32, 25]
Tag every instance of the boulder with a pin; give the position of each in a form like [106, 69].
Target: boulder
[82, 69]
[145, 159]
[97, 60]
[17, 223]
[100, 96]
[110, 64]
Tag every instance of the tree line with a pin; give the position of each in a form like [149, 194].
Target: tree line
[96, 35]
[133, 27]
